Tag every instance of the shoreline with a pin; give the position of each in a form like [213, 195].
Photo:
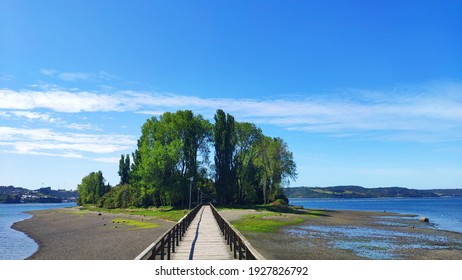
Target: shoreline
[354, 235]
[71, 234]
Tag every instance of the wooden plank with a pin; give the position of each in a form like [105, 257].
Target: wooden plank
[203, 240]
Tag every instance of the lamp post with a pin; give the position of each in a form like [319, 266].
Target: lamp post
[191, 179]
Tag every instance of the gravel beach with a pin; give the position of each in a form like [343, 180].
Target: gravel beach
[71, 234]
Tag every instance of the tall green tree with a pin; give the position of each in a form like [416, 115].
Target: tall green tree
[167, 156]
[92, 188]
[124, 169]
[276, 164]
[248, 137]
[224, 134]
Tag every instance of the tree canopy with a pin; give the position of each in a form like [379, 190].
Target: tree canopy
[92, 188]
[171, 164]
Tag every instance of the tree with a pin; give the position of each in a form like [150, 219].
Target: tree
[276, 164]
[92, 188]
[225, 144]
[124, 169]
[248, 136]
[167, 156]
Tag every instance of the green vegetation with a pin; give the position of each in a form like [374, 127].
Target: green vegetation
[124, 169]
[266, 222]
[171, 164]
[135, 224]
[11, 194]
[92, 188]
[361, 192]
[170, 215]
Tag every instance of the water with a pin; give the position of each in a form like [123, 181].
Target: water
[15, 245]
[384, 239]
[444, 212]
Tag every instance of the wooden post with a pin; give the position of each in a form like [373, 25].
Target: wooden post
[162, 249]
[169, 241]
[240, 249]
[235, 244]
[173, 239]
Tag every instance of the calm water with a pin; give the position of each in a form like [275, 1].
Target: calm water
[15, 245]
[444, 212]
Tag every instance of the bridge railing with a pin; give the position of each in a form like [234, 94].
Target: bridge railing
[165, 245]
[237, 243]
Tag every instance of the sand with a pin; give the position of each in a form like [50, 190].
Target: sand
[72, 234]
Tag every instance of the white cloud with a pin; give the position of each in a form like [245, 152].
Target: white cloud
[82, 126]
[48, 142]
[432, 110]
[34, 116]
[5, 115]
[74, 76]
[78, 76]
[60, 101]
[47, 72]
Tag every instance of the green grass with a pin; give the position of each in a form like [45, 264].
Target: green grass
[135, 224]
[164, 213]
[267, 222]
[277, 209]
[171, 215]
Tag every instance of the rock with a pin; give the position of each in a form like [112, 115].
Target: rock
[424, 219]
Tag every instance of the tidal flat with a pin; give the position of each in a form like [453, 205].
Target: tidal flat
[352, 235]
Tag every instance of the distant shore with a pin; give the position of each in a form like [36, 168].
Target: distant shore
[71, 234]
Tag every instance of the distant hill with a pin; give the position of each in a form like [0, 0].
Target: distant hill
[361, 192]
[11, 194]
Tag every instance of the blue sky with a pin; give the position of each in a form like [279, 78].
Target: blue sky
[364, 92]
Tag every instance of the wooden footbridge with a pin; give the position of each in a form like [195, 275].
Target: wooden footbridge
[201, 235]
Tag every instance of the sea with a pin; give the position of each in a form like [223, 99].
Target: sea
[15, 245]
[444, 213]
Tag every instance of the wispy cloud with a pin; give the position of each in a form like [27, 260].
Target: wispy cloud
[31, 116]
[78, 76]
[6, 77]
[432, 111]
[49, 142]
[34, 116]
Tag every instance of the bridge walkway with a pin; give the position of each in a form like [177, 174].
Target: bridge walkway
[203, 240]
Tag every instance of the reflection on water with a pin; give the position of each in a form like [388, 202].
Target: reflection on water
[375, 243]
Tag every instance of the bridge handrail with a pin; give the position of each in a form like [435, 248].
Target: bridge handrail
[236, 241]
[165, 245]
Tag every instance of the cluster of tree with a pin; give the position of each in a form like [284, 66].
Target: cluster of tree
[249, 166]
[92, 188]
[10, 198]
[172, 164]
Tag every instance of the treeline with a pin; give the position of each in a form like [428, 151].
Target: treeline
[361, 192]
[172, 162]
[11, 194]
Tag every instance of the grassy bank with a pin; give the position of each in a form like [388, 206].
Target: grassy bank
[270, 218]
[133, 224]
[266, 222]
